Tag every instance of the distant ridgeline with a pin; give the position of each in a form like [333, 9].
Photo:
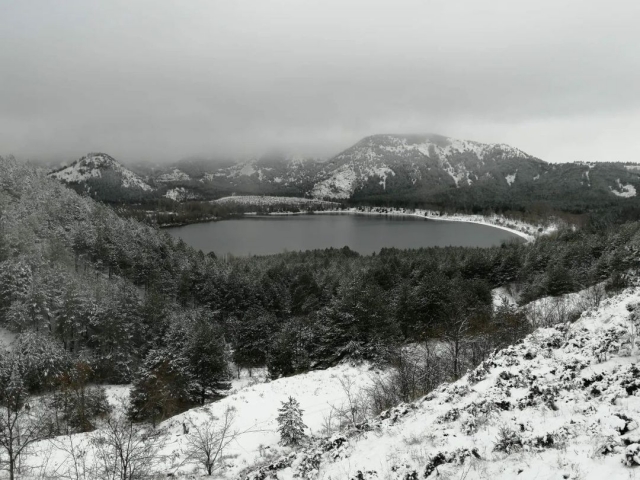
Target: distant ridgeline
[384, 170]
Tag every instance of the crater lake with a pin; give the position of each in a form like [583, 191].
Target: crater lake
[270, 234]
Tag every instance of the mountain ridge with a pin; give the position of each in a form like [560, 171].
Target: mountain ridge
[427, 169]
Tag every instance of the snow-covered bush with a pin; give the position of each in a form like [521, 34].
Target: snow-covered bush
[457, 457]
[478, 374]
[632, 455]
[509, 441]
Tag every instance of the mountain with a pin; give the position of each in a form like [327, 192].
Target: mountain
[382, 164]
[101, 176]
[419, 169]
[395, 170]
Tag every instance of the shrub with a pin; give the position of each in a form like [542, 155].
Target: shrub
[508, 441]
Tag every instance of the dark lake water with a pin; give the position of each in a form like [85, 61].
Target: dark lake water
[263, 235]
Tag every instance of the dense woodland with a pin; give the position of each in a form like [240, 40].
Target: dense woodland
[98, 298]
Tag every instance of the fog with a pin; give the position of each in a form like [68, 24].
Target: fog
[163, 80]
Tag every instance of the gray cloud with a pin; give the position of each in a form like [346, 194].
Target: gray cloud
[161, 80]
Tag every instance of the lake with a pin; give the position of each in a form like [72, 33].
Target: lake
[264, 235]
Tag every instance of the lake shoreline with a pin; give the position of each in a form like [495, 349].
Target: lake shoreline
[527, 231]
[332, 228]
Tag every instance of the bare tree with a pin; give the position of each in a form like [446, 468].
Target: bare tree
[208, 440]
[20, 426]
[75, 464]
[454, 335]
[354, 408]
[125, 450]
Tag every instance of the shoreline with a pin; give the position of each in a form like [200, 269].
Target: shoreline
[527, 231]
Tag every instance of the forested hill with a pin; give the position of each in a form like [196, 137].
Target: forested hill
[391, 170]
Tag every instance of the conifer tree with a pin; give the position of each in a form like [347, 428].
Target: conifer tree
[290, 423]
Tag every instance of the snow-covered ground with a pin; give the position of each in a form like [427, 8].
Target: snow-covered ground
[561, 404]
[175, 175]
[621, 190]
[266, 200]
[255, 403]
[525, 230]
[181, 194]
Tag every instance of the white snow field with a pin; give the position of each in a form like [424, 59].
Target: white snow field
[255, 408]
[561, 404]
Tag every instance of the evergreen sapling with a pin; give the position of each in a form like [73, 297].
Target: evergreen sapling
[290, 424]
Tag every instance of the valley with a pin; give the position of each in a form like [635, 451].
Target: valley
[112, 326]
[319, 240]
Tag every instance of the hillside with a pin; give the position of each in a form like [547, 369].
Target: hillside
[102, 177]
[392, 163]
[391, 170]
[560, 404]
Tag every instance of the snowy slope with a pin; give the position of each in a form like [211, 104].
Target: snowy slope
[621, 190]
[94, 166]
[431, 160]
[561, 404]
[255, 408]
[174, 175]
[268, 171]
[266, 200]
[181, 194]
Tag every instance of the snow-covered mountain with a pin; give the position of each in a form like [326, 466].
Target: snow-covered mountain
[273, 174]
[427, 168]
[102, 176]
[387, 163]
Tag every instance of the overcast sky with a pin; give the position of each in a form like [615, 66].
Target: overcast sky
[162, 80]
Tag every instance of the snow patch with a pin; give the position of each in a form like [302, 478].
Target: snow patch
[180, 194]
[175, 175]
[6, 339]
[266, 200]
[341, 184]
[626, 191]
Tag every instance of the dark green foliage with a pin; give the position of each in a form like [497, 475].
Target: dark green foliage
[161, 388]
[189, 366]
[290, 424]
[75, 404]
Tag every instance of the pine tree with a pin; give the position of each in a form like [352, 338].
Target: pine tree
[290, 423]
